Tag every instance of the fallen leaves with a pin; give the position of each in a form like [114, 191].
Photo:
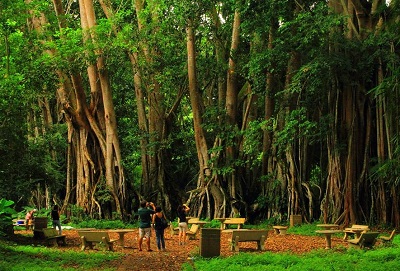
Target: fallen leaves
[175, 254]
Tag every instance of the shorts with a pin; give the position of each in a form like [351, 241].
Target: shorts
[183, 227]
[144, 232]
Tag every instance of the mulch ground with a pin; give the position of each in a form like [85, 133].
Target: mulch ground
[175, 254]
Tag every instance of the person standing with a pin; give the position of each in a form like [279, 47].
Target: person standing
[55, 216]
[30, 216]
[145, 216]
[183, 227]
[159, 228]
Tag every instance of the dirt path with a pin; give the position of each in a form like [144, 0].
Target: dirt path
[175, 255]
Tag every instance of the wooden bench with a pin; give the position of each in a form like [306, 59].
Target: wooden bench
[88, 238]
[387, 239]
[234, 221]
[350, 231]
[258, 236]
[51, 236]
[366, 240]
[191, 233]
[86, 229]
[174, 230]
[193, 220]
[280, 229]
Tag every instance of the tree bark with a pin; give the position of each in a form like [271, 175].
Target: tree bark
[231, 107]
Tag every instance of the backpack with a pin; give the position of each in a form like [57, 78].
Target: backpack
[161, 223]
[164, 223]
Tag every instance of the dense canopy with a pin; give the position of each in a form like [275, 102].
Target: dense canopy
[251, 108]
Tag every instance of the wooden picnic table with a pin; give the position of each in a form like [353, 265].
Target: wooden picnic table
[121, 233]
[357, 231]
[86, 229]
[328, 236]
[328, 226]
[234, 221]
[199, 222]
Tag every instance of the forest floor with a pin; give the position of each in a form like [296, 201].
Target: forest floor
[175, 254]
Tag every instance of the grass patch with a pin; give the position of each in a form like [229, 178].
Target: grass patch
[103, 224]
[305, 229]
[381, 258]
[24, 257]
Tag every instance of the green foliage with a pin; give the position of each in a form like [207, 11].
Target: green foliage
[271, 32]
[77, 214]
[297, 126]
[13, 143]
[253, 142]
[304, 229]
[380, 258]
[316, 177]
[18, 257]
[79, 219]
[267, 223]
[103, 193]
[389, 169]
[213, 224]
[102, 224]
[6, 213]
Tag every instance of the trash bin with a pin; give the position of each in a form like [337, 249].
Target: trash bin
[38, 224]
[295, 220]
[210, 243]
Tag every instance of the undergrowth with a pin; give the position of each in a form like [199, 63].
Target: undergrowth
[24, 257]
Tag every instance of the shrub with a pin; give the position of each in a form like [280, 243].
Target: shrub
[6, 213]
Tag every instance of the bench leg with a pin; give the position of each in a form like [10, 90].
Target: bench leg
[52, 241]
[108, 244]
[235, 244]
[283, 231]
[260, 244]
[86, 243]
[62, 239]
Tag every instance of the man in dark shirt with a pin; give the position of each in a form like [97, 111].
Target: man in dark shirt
[145, 216]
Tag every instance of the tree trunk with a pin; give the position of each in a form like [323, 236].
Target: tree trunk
[114, 176]
[210, 183]
[153, 185]
[231, 109]
[87, 127]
